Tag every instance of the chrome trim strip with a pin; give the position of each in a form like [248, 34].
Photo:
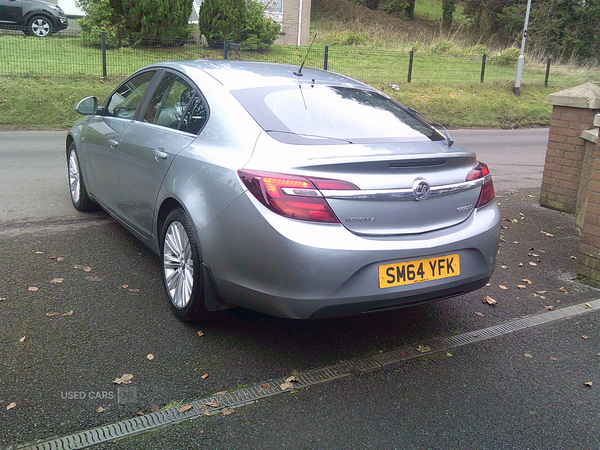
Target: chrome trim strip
[403, 194]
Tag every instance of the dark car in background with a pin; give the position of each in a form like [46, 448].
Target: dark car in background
[33, 17]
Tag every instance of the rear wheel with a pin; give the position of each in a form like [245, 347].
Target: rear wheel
[79, 196]
[182, 267]
[39, 26]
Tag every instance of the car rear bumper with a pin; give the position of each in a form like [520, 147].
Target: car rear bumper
[303, 270]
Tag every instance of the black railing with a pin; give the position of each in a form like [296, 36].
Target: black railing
[65, 54]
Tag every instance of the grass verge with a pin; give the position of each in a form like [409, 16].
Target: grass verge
[48, 102]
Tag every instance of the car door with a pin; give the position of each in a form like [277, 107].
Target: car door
[11, 12]
[169, 122]
[104, 135]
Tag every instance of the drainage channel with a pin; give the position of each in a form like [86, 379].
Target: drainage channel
[235, 399]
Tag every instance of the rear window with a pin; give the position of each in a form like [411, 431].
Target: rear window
[307, 112]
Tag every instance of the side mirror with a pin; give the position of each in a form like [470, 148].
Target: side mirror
[88, 106]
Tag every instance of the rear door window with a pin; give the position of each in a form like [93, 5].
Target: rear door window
[176, 104]
[125, 100]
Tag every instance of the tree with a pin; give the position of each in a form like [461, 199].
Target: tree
[448, 8]
[259, 31]
[222, 20]
[559, 28]
[410, 9]
[237, 20]
[135, 21]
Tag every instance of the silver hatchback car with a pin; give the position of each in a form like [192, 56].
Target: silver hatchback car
[298, 193]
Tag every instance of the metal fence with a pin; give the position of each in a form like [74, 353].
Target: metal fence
[64, 54]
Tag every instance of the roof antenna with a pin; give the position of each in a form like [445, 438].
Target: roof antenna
[299, 73]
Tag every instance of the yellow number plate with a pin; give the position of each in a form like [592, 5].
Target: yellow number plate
[418, 271]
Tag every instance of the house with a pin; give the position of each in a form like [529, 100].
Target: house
[293, 15]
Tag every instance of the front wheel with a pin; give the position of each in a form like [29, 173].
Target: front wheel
[182, 267]
[79, 196]
[39, 26]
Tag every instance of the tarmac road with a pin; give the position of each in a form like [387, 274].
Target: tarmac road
[63, 345]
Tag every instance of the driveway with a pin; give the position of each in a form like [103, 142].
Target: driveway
[83, 305]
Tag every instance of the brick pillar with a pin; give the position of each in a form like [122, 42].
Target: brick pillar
[573, 112]
[588, 260]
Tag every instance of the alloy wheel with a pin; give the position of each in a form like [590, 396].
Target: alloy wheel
[178, 265]
[74, 177]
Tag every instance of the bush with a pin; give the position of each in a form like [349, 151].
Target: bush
[443, 47]
[100, 18]
[160, 22]
[237, 20]
[259, 31]
[507, 57]
[222, 20]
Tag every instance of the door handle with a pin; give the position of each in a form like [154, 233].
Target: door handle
[112, 143]
[159, 154]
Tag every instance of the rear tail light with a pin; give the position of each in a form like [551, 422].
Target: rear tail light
[293, 196]
[487, 190]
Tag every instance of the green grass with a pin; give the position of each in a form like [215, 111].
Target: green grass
[41, 80]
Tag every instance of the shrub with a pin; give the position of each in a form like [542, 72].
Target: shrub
[259, 31]
[158, 21]
[355, 39]
[506, 57]
[222, 20]
[443, 47]
[99, 18]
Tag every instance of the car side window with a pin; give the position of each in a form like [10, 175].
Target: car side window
[175, 104]
[126, 98]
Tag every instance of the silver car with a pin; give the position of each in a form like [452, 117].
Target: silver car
[291, 191]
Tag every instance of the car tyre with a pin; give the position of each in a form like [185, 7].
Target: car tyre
[39, 26]
[79, 196]
[182, 267]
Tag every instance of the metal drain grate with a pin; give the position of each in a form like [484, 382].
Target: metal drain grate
[248, 395]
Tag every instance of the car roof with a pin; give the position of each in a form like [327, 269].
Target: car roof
[234, 75]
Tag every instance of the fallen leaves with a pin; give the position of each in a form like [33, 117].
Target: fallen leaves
[54, 313]
[22, 339]
[94, 278]
[149, 356]
[546, 233]
[200, 333]
[489, 301]
[11, 406]
[213, 404]
[589, 384]
[205, 376]
[185, 408]
[125, 379]
[228, 411]
[99, 409]
[57, 280]
[289, 383]
[33, 289]
[423, 348]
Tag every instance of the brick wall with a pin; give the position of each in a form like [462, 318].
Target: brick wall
[571, 180]
[588, 260]
[564, 158]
